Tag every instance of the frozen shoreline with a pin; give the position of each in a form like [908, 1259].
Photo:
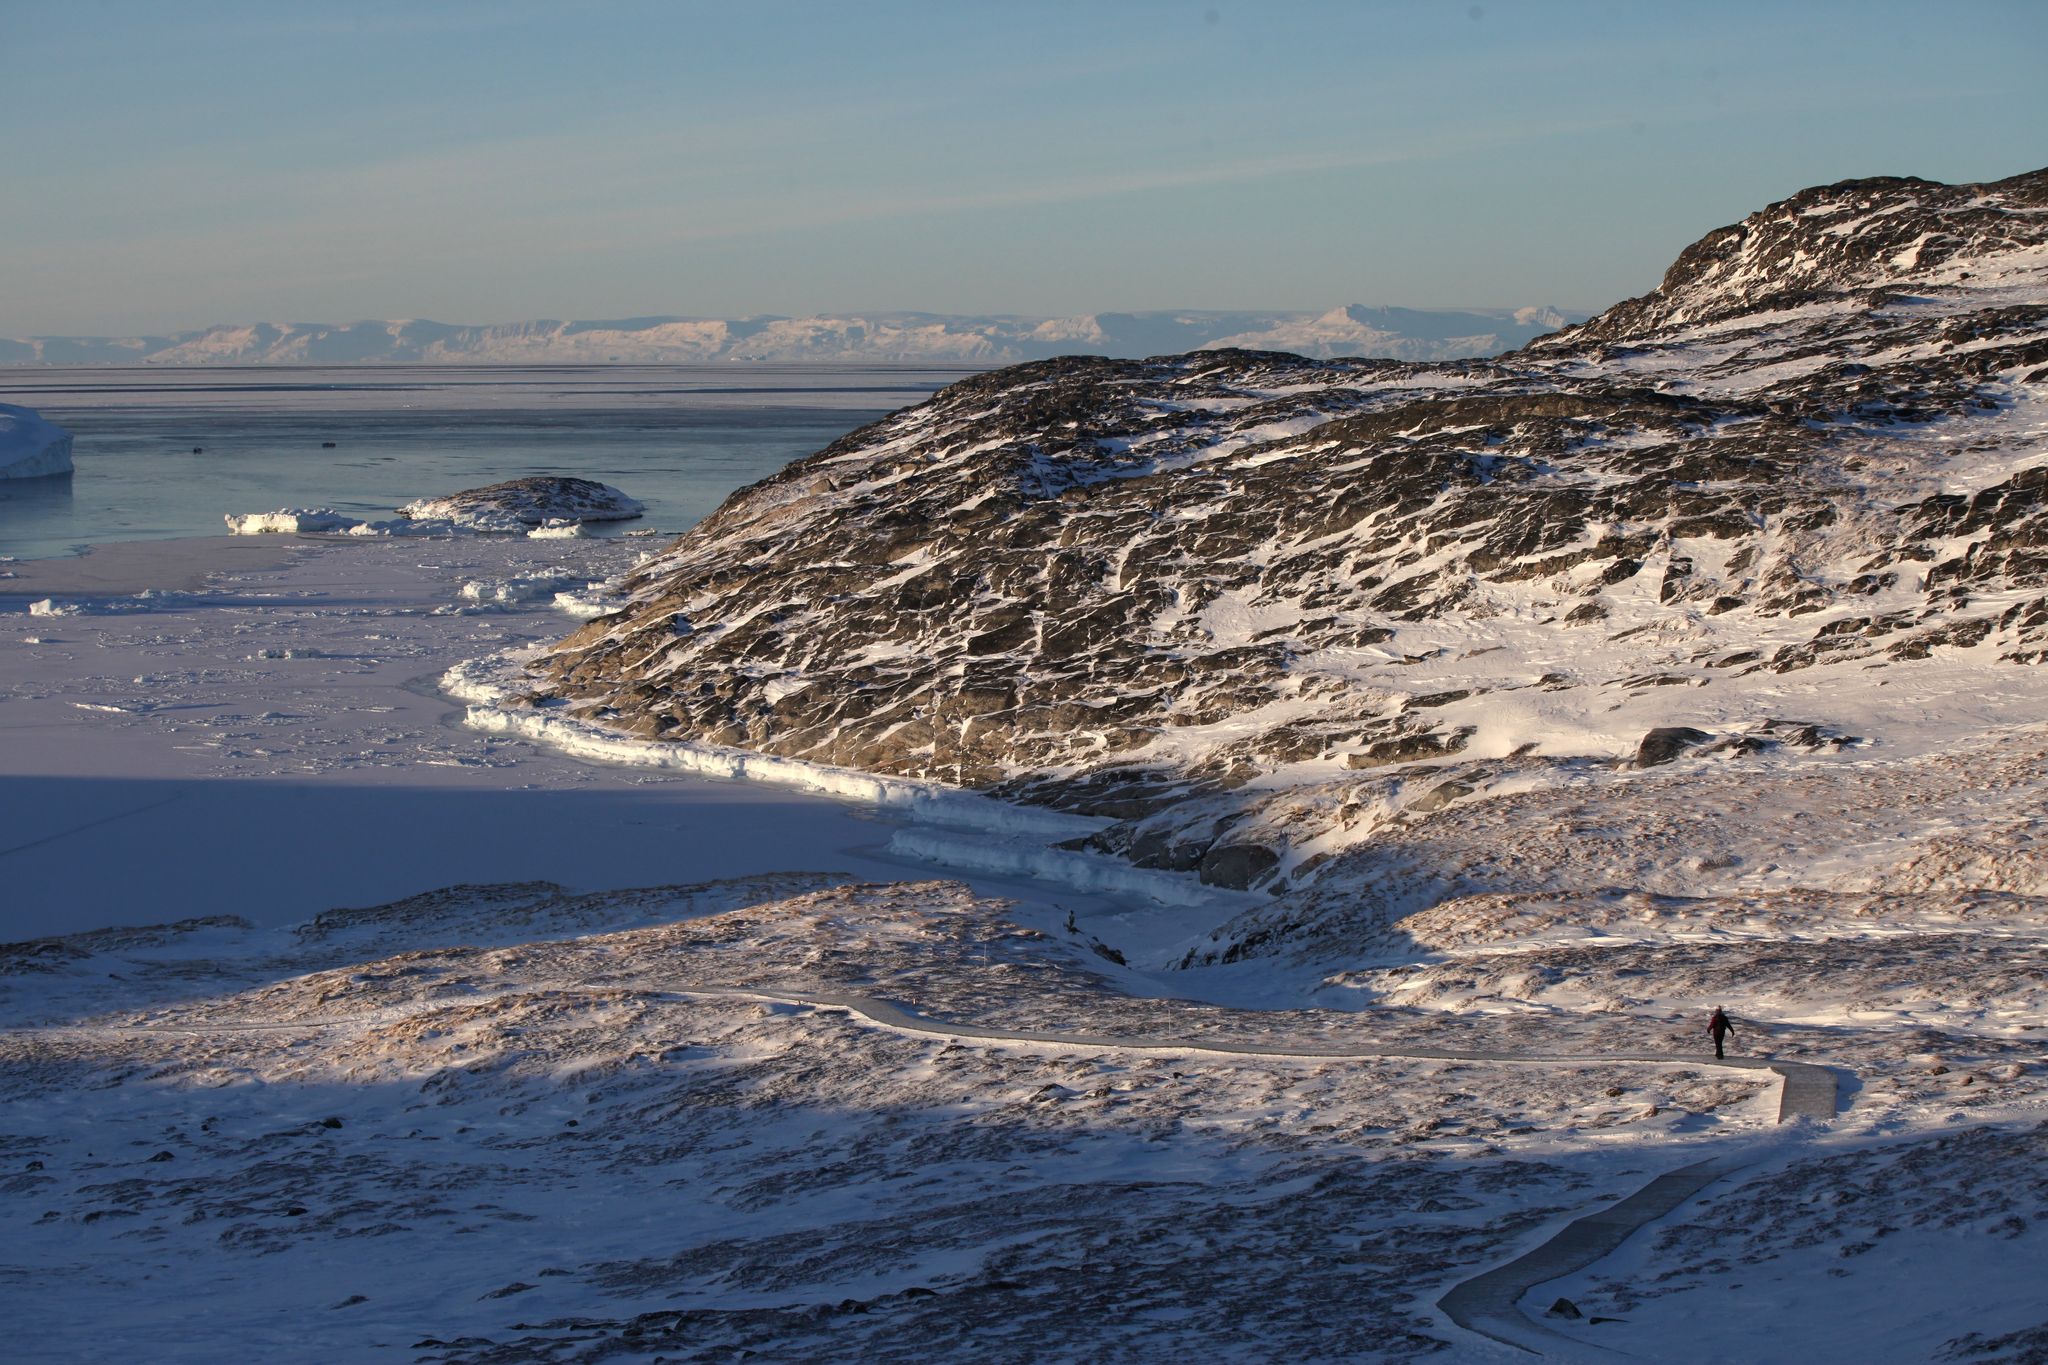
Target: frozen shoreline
[235, 725]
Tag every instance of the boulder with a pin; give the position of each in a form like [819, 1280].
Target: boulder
[1667, 742]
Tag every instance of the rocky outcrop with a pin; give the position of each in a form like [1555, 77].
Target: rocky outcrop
[1258, 609]
[1829, 242]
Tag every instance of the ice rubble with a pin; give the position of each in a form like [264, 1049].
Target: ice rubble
[30, 446]
[149, 600]
[290, 521]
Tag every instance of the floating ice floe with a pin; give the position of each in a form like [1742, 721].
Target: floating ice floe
[516, 506]
[31, 447]
[544, 507]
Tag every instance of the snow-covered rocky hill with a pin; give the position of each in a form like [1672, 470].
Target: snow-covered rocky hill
[927, 338]
[1735, 593]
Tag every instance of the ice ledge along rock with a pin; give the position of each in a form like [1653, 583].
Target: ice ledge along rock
[32, 447]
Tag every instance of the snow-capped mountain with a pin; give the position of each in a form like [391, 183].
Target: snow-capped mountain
[1403, 333]
[1379, 637]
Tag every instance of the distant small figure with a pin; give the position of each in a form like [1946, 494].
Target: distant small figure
[1072, 927]
[198, 450]
[1720, 1028]
[327, 445]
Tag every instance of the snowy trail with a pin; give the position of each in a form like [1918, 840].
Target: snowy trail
[1489, 1304]
[1808, 1091]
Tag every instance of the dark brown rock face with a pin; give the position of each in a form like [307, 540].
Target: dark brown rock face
[1252, 606]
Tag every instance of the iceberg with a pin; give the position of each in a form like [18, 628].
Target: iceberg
[30, 447]
[546, 504]
[545, 508]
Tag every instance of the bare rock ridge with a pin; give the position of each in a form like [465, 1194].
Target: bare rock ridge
[1373, 636]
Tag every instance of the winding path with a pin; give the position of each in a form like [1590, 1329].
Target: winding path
[1486, 1304]
[1808, 1091]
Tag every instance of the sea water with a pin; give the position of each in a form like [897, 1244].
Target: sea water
[164, 453]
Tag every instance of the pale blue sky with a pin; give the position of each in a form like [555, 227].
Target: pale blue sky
[169, 165]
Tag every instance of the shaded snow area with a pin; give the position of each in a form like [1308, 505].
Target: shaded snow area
[30, 446]
[515, 1122]
[549, 507]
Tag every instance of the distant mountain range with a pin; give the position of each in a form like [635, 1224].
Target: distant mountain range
[1386, 333]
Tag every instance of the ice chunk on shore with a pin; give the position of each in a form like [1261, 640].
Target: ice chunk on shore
[289, 521]
[30, 447]
[586, 603]
[518, 590]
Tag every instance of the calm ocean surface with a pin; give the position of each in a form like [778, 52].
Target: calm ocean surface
[679, 438]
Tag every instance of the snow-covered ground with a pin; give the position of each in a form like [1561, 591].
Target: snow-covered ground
[525, 1117]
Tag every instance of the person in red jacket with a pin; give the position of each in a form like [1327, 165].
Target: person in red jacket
[1720, 1028]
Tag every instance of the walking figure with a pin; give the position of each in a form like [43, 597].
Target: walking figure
[1720, 1028]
